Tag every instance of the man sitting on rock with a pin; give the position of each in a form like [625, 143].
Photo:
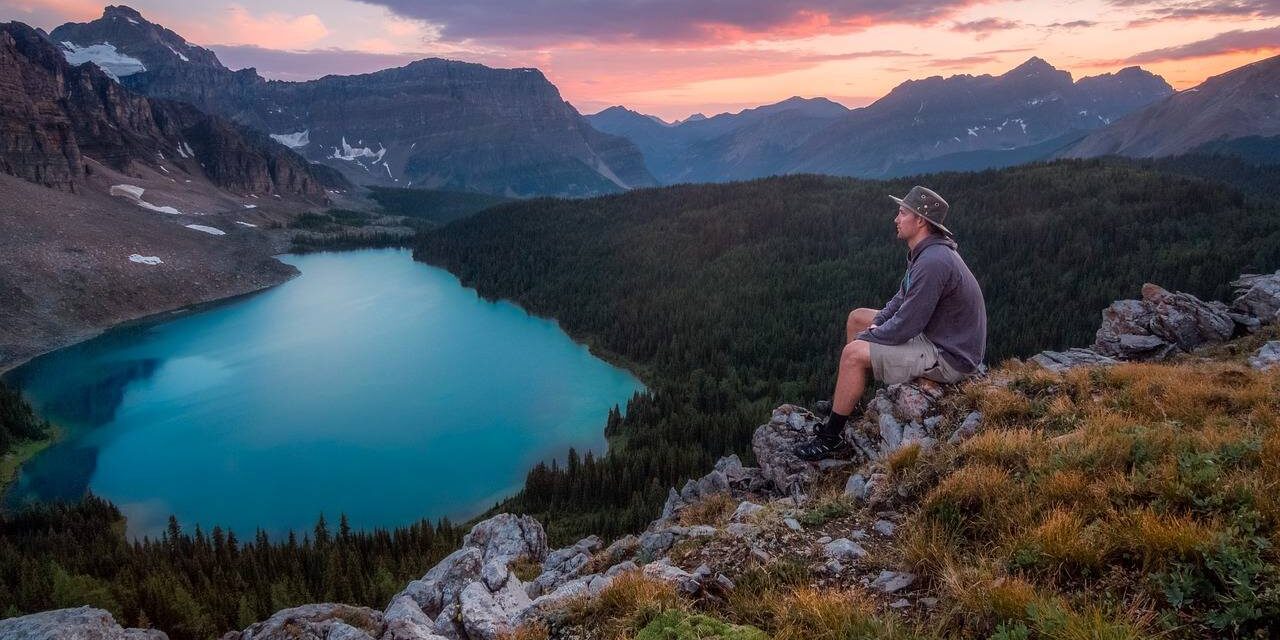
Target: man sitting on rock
[934, 327]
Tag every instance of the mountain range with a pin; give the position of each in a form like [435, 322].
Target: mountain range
[431, 124]
[960, 122]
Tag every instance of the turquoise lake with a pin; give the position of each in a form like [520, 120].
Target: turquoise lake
[371, 385]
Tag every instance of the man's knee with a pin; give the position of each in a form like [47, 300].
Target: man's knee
[861, 318]
[856, 353]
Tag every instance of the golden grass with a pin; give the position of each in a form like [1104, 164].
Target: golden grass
[904, 458]
[714, 510]
[808, 613]
[629, 603]
[1135, 469]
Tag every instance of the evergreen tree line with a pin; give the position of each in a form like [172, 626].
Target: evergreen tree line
[18, 422]
[729, 299]
[197, 584]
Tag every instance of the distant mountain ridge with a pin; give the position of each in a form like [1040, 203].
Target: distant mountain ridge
[1240, 103]
[432, 123]
[961, 122]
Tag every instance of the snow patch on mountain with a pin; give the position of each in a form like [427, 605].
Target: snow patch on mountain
[178, 53]
[350, 153]
[112, 62]
[208, 230]
[141, 259]
[293, 140]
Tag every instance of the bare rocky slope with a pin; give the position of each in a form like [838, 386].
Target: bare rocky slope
[1239, 103]
[433, 123]
[115, 206]
[845, 548]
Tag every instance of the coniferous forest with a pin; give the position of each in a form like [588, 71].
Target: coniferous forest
[727, 299]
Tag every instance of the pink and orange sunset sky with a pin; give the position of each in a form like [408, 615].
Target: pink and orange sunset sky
[672, 58]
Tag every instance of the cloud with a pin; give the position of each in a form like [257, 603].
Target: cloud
[1074, 24]
[1238, 41]
[668, 21]
[280, 29]
[950, 63]
[1162, 10]
[308, 64]
[985, 26]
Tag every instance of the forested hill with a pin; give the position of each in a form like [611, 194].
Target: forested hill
[731, 298]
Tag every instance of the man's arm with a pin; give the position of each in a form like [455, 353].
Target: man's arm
[890, 308]
[927, 281]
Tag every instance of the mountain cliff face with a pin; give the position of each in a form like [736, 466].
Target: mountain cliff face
[57, 115]
[1242, 102]
[433, 123]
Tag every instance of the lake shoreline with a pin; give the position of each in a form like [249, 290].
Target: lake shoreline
[591, 427]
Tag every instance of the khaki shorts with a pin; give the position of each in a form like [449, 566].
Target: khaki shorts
[915, 358]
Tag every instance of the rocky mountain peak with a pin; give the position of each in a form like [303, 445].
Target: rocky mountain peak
[127, 32]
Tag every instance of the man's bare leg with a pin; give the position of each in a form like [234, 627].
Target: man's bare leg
[851, 380]
[859, 320]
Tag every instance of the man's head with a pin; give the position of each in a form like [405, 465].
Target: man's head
[920, 214]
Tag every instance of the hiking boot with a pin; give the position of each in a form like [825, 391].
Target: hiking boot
[822, 447]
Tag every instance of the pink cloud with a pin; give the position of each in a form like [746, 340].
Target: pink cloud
[541, 22]
[1238, 41]
[280, 30]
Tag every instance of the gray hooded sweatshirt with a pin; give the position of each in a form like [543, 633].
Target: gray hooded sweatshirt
[940, 297]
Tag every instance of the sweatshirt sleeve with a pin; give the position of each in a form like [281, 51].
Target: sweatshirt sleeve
[928, 278]
[890, 308]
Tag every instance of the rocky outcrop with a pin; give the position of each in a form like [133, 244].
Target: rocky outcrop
[55, 116]
[432, 123]
[1161, 324]
[83, 623]
[315, 622]
[1258, 296]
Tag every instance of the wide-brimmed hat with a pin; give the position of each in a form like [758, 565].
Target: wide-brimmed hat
[926, 204]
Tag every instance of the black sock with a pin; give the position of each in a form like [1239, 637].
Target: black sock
[834, 425]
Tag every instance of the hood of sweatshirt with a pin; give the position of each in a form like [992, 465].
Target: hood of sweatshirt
[929, 242]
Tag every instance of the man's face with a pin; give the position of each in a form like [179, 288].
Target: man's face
[907, 223]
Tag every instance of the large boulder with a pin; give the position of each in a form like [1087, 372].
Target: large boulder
[1161, 325]
[1258, 295]
[1267, 358]
[315, 622]
[445, 581]
[507, 535]
[81, 623]
[774, 445]
[405, 620]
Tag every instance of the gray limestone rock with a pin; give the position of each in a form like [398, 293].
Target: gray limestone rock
[891, 581]
[656, 543]
[844, 550]
[792, 524]
[665, 571]
[81, 623]
[856, 487]
[442, 584]
[405, 621]
[967, 428]
[1267, 357]
[884, 527]
[508, 535]
[1059, 361]
[746, 509]
[773, 444]
[314, 622]
[1160, 325]
[1258, 296]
